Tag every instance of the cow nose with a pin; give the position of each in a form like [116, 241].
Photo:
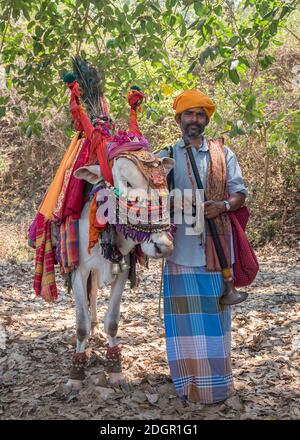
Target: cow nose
[163, 250]
[157, 248]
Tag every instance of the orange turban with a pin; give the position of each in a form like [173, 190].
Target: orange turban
[191, 99]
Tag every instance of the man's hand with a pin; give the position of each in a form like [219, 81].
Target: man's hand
[213, 209]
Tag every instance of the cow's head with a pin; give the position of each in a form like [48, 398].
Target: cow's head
[131, 182]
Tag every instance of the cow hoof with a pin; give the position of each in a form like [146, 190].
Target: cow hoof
[73, 385]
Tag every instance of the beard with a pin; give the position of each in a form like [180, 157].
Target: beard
[193, 130]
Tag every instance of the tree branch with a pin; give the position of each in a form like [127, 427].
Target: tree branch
[294, 35]
[6, 27]
[83, 28]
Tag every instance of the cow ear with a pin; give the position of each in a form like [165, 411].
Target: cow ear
[168, 164]
[91, 174]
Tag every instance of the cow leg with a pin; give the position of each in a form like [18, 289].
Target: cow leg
[111, 322]
[93, 302]
[83, 327]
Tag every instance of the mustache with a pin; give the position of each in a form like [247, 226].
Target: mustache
[198, 128]
[193, 124]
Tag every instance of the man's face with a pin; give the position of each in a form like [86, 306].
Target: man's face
[192, 122]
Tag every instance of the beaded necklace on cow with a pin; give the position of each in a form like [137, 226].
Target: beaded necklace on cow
[125, 209]
[129, 210]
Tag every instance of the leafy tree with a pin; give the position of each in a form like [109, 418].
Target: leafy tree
[151, 42]
[164, 46]
[241, 52]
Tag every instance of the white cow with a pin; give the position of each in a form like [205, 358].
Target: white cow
[125, 174]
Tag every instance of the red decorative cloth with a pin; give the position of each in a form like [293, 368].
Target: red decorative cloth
[105, 165]
[81, 120]
[74, 198]
[246, 266]
[98, 152]
[135, 98]
[44, 274]
[74, 104]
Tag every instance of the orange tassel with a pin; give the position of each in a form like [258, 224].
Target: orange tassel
[95, 227]
[93, 231]
[133, 122]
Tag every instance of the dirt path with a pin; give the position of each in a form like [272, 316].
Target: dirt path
[37, 341]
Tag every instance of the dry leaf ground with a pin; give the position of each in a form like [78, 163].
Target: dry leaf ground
[37, 341]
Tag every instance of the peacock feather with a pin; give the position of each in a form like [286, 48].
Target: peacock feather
[91, 82]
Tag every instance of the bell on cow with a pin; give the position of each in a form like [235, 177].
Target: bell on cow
[123, 265]
[115, 269]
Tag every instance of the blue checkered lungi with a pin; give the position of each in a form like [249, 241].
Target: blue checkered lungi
[198, 333]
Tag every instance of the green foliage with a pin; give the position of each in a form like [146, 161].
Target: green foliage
[293, 130]
[163, 47]
[31, 125]
[3, 101]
